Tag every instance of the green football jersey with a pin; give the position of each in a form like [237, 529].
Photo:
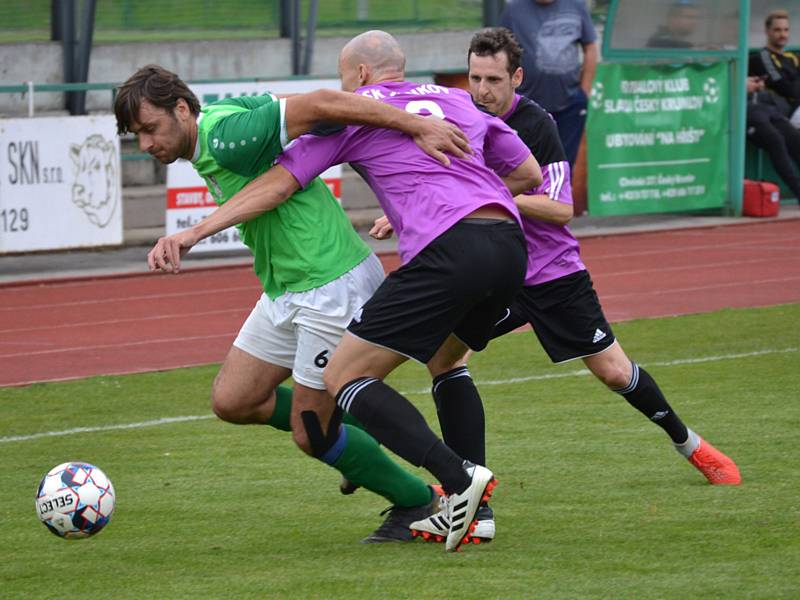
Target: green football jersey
[305, 242]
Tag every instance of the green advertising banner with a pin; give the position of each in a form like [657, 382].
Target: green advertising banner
[658, 138]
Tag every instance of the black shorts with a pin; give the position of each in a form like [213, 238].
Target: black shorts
[460, 283]
[566, 316]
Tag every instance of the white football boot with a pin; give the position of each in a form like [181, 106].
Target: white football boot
[436, 527]
[461, 508]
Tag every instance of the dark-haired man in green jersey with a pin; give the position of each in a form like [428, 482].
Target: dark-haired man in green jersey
[315, 270]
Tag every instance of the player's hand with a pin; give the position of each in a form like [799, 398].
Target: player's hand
[438, 138]
[381, 230]
[167, 253]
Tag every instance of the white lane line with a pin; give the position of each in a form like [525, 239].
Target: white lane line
[179, 315]
[578, 373]
[90, 278]
[678, 248]
[701, 288]
[596, 273]
[189, 294]
[191, 338]
[132, 371]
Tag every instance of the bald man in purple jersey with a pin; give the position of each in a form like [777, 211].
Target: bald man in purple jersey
[558, 298]
[461, 244]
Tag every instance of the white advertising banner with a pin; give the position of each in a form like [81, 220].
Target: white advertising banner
[60, 183]
[188, 198]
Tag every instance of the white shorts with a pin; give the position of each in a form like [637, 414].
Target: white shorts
[300, 330]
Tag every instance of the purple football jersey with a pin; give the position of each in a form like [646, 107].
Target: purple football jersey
[421, 197]
[553, 251]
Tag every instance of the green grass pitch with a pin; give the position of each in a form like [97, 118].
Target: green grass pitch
[593, 502]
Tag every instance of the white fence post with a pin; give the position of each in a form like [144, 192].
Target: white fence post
[30, 98]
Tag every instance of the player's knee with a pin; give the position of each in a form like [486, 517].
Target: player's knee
[440, 365]
[614, 375]
[219, 404]
[224, 409]
[230, 407]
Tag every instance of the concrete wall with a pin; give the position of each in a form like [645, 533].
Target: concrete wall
[37, 62]
[42, 62]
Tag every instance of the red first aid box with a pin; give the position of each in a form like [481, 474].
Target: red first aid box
[761, 199]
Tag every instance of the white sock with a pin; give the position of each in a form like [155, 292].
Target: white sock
[691, 444]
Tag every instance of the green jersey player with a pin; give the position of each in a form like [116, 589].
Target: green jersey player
[315, 270]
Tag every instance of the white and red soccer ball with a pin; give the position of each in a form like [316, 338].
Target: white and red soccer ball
[75, 500]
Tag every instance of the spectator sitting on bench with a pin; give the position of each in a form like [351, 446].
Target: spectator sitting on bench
[770, 129]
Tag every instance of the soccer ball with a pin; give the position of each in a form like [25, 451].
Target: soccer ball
[75, 500]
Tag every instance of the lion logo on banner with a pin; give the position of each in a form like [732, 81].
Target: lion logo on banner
[95, 190]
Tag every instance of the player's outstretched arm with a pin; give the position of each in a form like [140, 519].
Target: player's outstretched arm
[260, 195]
[436, 137]
[525, 177]
[544, 208]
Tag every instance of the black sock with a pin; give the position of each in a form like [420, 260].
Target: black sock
[461, 416]
[398, 425]
[645, 396]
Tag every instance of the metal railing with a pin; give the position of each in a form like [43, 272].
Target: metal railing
[29, 90]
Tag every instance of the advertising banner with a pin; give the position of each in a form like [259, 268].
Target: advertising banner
[60, 183]
[658, 138]
[188, 198]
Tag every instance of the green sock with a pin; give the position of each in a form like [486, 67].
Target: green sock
[362, 461]
[365, 463]
[349, 419]
[282, 417]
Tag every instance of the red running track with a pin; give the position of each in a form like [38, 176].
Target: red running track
[111, 325]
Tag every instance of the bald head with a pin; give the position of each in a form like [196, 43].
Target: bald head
[371, 57]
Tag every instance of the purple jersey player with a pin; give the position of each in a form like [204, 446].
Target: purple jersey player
[558, 298]
[462, 246]
[421, 199]
[553, 251]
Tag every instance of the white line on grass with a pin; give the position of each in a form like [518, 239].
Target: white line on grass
[578, 373]
[139, 425]
[581, 372]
